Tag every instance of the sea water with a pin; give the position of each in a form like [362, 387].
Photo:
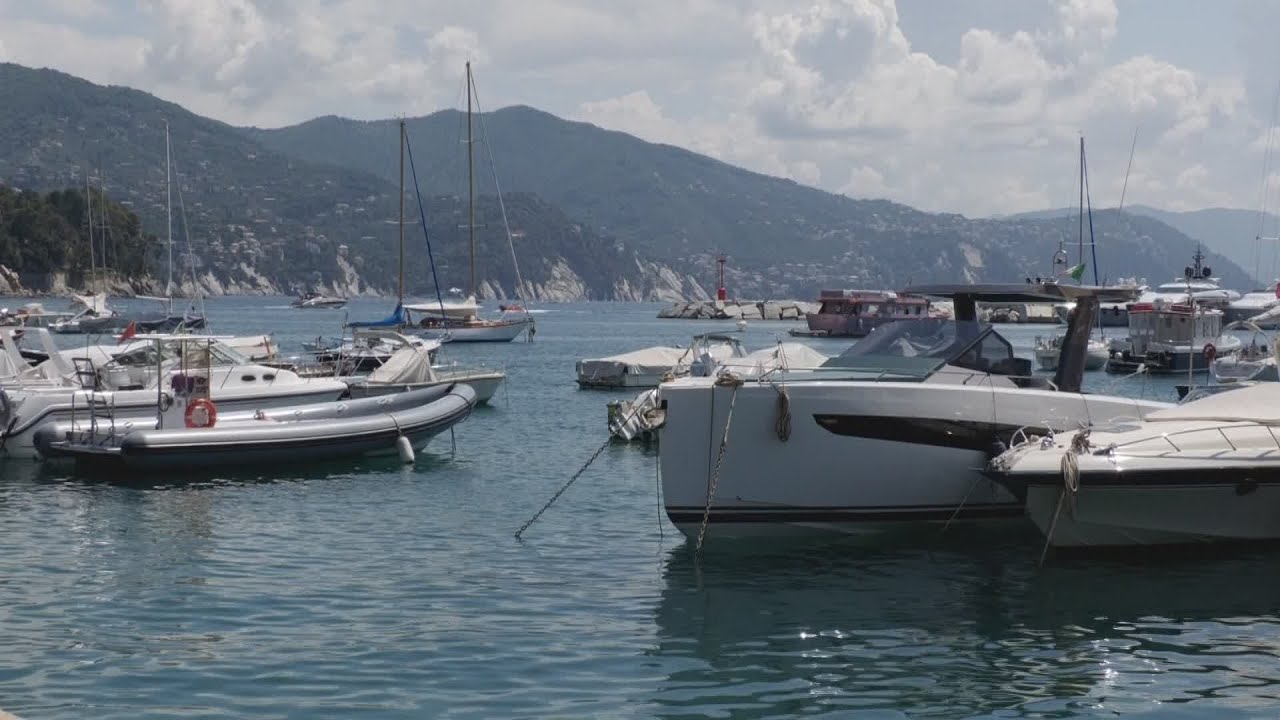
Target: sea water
[366, 589]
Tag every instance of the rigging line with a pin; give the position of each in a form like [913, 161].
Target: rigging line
[1125, 187]
[1093, 245]
[422, 214]
[501, 204]
[197, 296]
[1266, 188]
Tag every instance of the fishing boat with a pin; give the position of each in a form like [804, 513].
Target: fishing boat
[1177, 337]
[1204, 471]
[190, 435]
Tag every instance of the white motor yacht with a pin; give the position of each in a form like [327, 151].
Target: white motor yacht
[896, 430]
[314, 300]
[1206, 470]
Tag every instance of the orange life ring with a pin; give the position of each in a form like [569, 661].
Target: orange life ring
[201, 413]
[1210, 352]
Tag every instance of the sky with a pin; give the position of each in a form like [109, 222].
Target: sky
[968, 106]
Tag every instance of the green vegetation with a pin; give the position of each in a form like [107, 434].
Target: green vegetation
[315, 204]
[45, 234]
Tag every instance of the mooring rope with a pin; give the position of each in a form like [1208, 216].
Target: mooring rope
[573, 478]
[735, 382]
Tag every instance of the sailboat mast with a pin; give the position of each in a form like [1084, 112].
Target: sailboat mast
[400, 294]
[1081, 241]
[471, 186]
[104, 232]
[93, 263]
[168, 209]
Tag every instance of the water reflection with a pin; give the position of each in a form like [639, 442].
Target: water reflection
[782, 631]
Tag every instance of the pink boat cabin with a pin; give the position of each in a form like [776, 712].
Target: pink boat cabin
[854, 313]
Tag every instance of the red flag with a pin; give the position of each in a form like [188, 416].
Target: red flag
[129, 331]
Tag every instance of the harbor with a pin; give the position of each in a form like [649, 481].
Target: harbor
[886, 359]
[216, 572]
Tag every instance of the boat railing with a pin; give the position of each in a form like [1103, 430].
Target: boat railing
[793, 374]
[1219, 430]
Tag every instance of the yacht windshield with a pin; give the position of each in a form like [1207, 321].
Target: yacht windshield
[918, 348]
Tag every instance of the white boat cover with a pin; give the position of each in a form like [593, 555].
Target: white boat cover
[1258, 403]
[649, 361]
[780, 356]
[405, 366]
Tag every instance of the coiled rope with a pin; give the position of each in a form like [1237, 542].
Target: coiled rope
[1070, 467]
[735, 382]
[782, 426]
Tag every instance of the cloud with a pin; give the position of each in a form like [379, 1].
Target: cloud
[842, 94]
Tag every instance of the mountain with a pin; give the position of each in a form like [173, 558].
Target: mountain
[1229, 232]
[599, 214]
[261, 221]
[783, 239]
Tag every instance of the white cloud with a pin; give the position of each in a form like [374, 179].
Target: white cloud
[828, 92]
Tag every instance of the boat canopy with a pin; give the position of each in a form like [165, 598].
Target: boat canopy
[918, 349]
[649, 361]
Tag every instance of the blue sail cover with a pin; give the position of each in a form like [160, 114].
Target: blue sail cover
[397, 318]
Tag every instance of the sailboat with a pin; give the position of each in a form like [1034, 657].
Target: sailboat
[1097, 352]
[91, 313]
[168, 320]
[459, 320]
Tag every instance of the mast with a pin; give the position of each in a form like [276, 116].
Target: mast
[168, 210]
[401, 286]
[1081, 241]
[93, 263]
[471, 186]
[104, 232]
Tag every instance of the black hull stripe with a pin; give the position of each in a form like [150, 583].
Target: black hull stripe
[957, 434]
[682, 516]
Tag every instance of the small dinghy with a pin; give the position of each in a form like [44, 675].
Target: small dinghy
[398, 423]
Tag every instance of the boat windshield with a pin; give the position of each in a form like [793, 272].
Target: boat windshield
[919, 348]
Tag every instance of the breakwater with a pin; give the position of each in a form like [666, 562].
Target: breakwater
[739, 310]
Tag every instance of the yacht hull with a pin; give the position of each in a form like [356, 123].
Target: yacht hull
[861, 457]
[489, 331]
[1121, 509]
